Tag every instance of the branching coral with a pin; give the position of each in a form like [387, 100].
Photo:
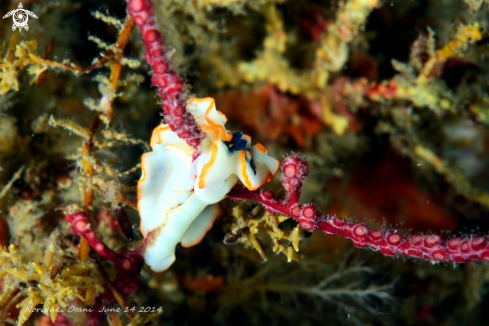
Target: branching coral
[295, 170]
[169, 85]
[390, 243]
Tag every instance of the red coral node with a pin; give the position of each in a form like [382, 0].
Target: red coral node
[139, 19]
[267, 194]
[416, 253]
[160, 67]
[307, 220]
[178, 111]
[387, 251]
[135, 5]
[485, 255]
[81, 226]
[478, 243]
[439, 255]
[156, 52]
[339, 222]
[184, 134]
[178, 121]
[359, 243]
[360, 231]
[394, 239]
[416, 240]
[159, 81]
[150, 36]
[292, 185]
[292, 159]
[376, 234]
[289, 170]
[455, 243]
[465, 247]
[309, 211]
[294, 182]
[459, 259]
[194, 142]
[432, 240]
[307, 224]
[295, 210]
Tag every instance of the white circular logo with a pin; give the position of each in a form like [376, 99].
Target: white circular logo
[20, 17]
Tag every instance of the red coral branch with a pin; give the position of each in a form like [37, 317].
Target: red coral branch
[294, 171]
[128, 266]
[390, 243]
[169, 84]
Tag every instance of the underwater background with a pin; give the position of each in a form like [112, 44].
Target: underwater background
[387, 100]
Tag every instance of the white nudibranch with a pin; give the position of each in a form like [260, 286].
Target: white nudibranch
[177, 197]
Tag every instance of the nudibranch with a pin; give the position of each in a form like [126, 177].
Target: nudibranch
[178, 192]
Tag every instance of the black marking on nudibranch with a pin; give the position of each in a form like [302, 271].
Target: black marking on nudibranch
[237, 143]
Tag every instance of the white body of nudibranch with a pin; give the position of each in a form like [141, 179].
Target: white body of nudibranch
[177, 197]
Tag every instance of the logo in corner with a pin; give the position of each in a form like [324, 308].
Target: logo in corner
[20, 16]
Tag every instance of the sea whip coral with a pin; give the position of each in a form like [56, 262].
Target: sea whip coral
[177, 195]
[390, 243]
[169, 85]
[182, 182]
[128, 266]
[181, 121]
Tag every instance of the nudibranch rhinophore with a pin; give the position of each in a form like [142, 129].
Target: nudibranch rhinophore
[178, 195]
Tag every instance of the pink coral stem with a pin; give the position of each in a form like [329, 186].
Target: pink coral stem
[390, 243]
[128, 266]
[168, 83]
